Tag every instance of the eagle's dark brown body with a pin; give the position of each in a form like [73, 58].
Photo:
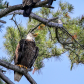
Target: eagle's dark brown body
[26, 53]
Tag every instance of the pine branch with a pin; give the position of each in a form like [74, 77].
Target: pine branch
[50, 24]
[63, 43]
[44, 21]
[17, 69]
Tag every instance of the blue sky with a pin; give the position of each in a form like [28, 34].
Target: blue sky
[56, 71]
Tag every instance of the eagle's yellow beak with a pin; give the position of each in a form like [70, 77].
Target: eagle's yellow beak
[35, 35]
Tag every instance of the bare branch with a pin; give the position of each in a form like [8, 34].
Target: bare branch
[43, 4]
[2, 70]
[20, 12]
[10, 9]
[6, 79]
[16, 25]
[2, 21]
[18, 7]
[17, 69]
[52, 19]
[31, 30]
[31, 80]
[45, 21]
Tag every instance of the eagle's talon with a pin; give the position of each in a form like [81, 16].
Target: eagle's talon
[25, 67]
[20, 65]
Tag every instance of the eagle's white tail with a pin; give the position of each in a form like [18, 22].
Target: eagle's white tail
[17, 76]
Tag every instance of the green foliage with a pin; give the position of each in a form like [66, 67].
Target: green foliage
[75, 27]
[46, 39]
[43, 40]
[65, 6]
[45, 12]
[12, 37]
[3, 4]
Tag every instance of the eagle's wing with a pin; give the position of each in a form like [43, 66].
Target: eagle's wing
[16, 54]
[18, 51]
[34, 57]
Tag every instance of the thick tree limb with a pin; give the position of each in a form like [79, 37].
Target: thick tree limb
[17, 69]
[10, 9]
[6, 79]
[43, 20]
[18, 7]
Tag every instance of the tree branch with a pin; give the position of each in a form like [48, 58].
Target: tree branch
[72, 37]
[44, 21]
[18, 69]
[31, 30]
[2, 21]
[16, 25]
[10, 9]
[6, 79]
[63, 43]
[18, 7]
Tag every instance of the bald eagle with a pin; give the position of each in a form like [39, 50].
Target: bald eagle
[28, 5]
[25, 54]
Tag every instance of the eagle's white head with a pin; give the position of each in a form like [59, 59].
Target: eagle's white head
[31, 37]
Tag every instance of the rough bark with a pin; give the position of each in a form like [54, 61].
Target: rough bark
[18, 7]
[18, 69]
[4, 78]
